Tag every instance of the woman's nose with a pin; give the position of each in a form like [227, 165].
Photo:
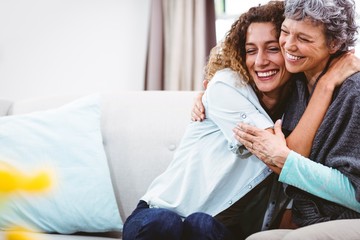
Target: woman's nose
[289, 43]
[261, 59]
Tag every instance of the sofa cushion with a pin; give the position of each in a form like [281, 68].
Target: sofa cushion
[68, 141]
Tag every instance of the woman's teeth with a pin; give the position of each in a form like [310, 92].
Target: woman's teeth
[292, 57]
[266, 74]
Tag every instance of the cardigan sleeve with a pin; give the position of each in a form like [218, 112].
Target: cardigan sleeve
[322, 181]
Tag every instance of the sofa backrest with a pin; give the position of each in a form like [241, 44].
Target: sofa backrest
[4, 107]
[141, 130]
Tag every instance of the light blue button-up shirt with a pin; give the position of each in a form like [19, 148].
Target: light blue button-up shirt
[210, 170]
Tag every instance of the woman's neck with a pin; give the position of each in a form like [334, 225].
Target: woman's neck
[271, 104]
[274, 103]
[313, 75]
[311, 79]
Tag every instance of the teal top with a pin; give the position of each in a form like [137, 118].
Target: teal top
[320, 180]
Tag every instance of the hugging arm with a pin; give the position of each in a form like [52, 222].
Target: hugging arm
[301, 139]
[226, 104]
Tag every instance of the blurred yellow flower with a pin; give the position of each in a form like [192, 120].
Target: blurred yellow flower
[13, 180]
[17, 235]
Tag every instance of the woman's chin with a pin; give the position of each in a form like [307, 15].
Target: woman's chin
[266, 88]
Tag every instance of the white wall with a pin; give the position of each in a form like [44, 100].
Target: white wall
[52, 47]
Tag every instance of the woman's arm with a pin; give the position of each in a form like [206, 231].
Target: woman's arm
[317, 179]
[227, 103]
[334, 186]
[301, 138]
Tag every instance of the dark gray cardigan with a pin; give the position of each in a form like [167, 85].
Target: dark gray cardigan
[336, 144]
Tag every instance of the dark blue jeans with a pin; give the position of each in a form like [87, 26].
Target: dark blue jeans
[161, 224]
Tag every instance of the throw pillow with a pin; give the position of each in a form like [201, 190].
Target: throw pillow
[67, 141]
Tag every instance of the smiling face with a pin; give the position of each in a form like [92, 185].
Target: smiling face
[264, 60]
[304, 46]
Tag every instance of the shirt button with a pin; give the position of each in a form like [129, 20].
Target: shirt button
[172, 147]
[230, 202]
[243, 115]
[250, 187]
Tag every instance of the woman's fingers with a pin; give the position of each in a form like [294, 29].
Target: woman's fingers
[197, 113]
[248, 136]
[277, 128]
[198, 110]
[251, 130]
[268, 145]
[243, 137]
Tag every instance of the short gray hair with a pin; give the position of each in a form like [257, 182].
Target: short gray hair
[338, 17]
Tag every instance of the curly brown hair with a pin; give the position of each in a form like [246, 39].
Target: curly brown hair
[230, 53]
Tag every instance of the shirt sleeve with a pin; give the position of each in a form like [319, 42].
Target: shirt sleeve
[227, 105]
[319, 180]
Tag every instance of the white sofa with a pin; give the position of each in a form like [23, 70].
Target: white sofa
[140, 129]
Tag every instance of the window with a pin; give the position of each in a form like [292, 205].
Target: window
[227, 11]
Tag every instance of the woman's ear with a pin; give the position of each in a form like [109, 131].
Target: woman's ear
[334, 47]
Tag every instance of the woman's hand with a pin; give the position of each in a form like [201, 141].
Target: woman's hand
[340, 69]
[198, 110]
[268, 147]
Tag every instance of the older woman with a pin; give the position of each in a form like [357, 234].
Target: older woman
[313, 34]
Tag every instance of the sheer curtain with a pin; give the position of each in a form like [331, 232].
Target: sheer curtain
[180, 38]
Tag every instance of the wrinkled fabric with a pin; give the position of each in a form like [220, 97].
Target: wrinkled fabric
[335, 145]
